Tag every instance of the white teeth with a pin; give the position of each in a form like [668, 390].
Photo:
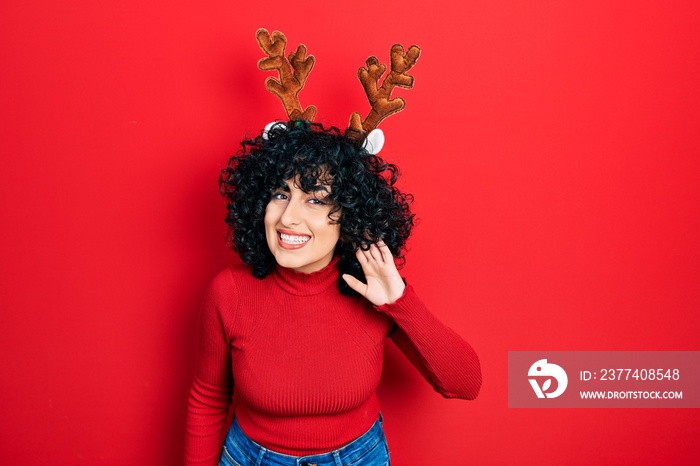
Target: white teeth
[293, 239]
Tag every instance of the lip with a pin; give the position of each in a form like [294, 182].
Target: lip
[289, 246]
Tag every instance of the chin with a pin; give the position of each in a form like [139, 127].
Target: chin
[288, 264]
[283, 260]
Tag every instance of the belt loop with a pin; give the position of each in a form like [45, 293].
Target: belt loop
[261, 455]
[336, 457]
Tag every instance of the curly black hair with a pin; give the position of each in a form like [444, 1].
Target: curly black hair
[371, 208]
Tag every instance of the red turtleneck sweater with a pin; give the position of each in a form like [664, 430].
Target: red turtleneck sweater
[306, 360]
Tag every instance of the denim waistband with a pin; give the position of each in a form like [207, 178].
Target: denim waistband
[349, 453]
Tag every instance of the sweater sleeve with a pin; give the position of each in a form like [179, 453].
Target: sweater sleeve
[444, 359]
[212, 387]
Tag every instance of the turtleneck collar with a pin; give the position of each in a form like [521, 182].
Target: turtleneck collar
[307, 284]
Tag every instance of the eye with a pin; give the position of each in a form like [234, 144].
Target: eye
[316, 201]
[279, 195]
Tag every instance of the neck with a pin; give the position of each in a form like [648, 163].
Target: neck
[307, 284]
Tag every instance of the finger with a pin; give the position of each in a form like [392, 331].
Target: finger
[387, 256]
[367, 255]
[361, 257]
[376, 254]
[355, 284]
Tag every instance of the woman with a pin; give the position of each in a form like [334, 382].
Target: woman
[299, 328]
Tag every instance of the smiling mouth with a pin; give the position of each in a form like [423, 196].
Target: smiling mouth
[292, 241]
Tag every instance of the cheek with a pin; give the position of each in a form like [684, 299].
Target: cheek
[270, 224]
[323, 228]
[271, 216]
[333, 232]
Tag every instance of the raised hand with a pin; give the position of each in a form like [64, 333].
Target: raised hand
[384, 284]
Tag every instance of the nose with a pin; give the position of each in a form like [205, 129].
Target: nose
[292, 214]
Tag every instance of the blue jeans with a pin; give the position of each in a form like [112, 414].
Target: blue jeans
[370, 449]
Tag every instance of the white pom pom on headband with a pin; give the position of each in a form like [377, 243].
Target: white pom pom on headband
[295, 68]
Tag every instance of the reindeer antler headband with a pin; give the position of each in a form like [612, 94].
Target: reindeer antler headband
[295, 68]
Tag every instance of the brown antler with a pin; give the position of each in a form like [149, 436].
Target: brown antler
[378, 97]
[290, 83]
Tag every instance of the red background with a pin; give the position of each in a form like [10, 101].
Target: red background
[552, 147]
